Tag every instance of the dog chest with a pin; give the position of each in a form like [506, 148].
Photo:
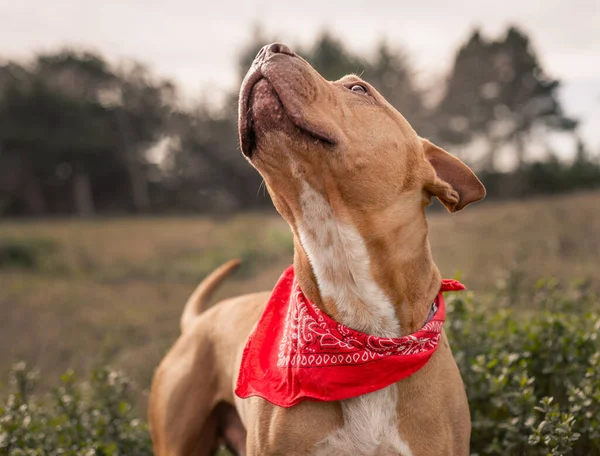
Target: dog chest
[369, 429]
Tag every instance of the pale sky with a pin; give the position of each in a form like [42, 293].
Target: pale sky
[195, 43]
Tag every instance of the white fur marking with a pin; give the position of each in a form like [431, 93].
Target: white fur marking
[341, 265]
[340, 262]
[370, 427]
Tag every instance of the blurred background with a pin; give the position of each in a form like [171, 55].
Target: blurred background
[122, 183]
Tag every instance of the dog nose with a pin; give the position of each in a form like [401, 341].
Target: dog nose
[272, 49]
[278, 48]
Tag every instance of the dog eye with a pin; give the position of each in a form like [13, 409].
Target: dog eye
[357, 88]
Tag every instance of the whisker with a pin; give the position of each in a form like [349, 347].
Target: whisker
[262, 184]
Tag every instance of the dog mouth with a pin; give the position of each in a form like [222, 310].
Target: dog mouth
[263, 109]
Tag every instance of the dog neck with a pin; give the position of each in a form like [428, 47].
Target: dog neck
[381, 284]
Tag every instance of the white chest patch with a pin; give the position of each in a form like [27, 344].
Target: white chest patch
[370, 428]
[340, 262]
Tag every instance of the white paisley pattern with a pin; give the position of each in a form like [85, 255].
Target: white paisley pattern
[312, 339]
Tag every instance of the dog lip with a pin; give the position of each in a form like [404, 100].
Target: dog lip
[246, 133]
[300, 122]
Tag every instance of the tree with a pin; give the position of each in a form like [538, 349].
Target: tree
[81, 80]
[43, 128]
[330, 58]
[391, 75]
[141, 112]
[19, 184]
[530, 94]
[72, 117]
[207, 164]
[498, 90]
[136, 107]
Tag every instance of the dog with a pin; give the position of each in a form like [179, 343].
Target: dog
[352, 178]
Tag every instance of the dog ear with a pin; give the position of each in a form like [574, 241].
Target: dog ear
[454, 184]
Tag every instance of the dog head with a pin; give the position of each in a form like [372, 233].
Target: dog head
[344, 140]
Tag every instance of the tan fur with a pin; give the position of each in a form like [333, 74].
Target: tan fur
[373, 183]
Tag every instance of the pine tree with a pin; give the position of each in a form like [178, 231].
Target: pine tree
[498, 90]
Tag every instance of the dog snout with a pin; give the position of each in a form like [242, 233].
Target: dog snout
[271, 49]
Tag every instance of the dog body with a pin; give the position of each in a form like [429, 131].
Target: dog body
[352, 178]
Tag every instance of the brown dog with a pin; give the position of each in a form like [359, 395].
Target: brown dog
[352, 179]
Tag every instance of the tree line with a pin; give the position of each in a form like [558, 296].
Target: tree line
[81, 136]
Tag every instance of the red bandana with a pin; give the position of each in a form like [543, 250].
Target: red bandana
[298, 352]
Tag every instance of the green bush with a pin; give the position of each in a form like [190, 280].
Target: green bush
[92, 418]
[532, 378]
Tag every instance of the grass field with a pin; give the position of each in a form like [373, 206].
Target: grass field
[75, 293]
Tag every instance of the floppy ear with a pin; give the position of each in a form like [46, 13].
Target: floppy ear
[454, 184]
